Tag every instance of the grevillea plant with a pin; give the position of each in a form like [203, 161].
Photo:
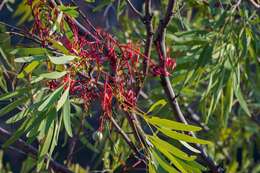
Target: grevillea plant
[77, 65]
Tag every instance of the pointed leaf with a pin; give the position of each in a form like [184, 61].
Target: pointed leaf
[51, 99]
[182, 137]
[242, 101]
[171, 124]
[66, 117]
[65, 59]
[30, 59]
[160, 103]
[53, 75]
[12, 106]
[63, 98]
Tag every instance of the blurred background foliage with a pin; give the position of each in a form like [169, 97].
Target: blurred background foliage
[217, 48]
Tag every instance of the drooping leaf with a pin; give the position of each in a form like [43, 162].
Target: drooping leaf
[170, 148]
[30, 58]
[12, 106]
[164, 164]
[242, 101]
[66, 117]
[182, 137]
[160, 122]
[65, 59]
[53, 75]
[63, 98]
[13, 94]
[69, 10]
[160, 103]
[51, 99]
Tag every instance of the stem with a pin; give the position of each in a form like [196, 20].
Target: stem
[126, 138]
[134, 9]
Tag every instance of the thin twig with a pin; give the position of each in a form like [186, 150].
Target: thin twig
[126, 138]
[255, 4]
[139, 14]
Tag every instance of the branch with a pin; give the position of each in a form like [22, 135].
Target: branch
[255, 4]
[166, 84]
[126, 138]
[134, 9]
[29, 149]
[149, 37]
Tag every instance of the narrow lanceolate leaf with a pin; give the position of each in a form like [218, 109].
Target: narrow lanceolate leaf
[28, 69]
[166, 166]
[30, 59]
[45, 147]
[12, 106]
[51, 99]
[182, 137]
[242, 101]
[28, 124]
[187, 166]
[18, 116]
[61, 59]
[28, 51]
[188, 146]
[53, 75]
[160, 103]
[172, 159]
[63, 98]
[170, 148]
[66, 117]
[171, 124]
[151, 167]
[16, 93]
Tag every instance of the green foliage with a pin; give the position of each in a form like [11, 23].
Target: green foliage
[217, 75]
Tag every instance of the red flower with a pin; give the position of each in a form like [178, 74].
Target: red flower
[107, 99]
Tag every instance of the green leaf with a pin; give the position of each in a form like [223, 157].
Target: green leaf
[188, 167]
[172, 159]
[18, 116]
[205, 56]
[30, 59]
[28, 69]
[28, 124]
[170, 124]
[12, 106]
[53, 75]
[160, 103]
[151, 168]
[157, 142]
[61, 59]
[29, 52]
[182, 137]
[63, 98]
[69, 10]
[66, 117]
[242, 101]
[191, 148]
[45, 147]
[51, 99]
[13, 94]
[164, 164]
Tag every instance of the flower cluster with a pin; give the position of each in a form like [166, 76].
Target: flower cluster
[104, 69]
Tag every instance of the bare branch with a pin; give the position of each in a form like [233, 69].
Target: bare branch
[134, 9]
[255, 4]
